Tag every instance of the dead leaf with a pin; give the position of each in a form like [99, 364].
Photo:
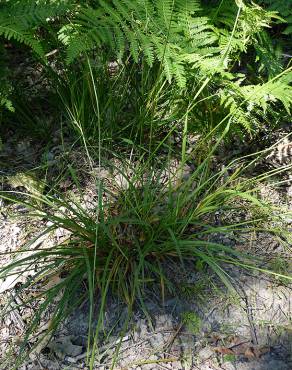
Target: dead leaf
[261, 350]
[245, 349]
[249, 353]
[53, 281]
[235, 340]
[224, 350]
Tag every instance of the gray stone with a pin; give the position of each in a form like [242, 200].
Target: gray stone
[157, 340]
[205, 353]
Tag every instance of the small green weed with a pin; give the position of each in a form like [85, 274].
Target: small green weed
[229, 358]
[192, 322]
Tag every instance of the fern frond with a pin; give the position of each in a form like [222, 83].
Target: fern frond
[18, 34]
[29, 13]
[284, 9]
[147, 47]
[133, 43]
[179, 74]
[162, 31]
[252, 21]
[19, 19]
[247, 102]
[279, 89]
[81, 44]
[268, 56]
[229, 100]
[165, 11]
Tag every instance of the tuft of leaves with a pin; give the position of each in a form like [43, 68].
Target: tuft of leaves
[126, 242]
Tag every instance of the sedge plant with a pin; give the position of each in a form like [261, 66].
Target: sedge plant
[125, 243]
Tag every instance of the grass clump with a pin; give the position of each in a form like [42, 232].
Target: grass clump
[128, 240]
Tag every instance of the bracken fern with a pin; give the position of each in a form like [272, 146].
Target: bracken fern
[189, 41]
